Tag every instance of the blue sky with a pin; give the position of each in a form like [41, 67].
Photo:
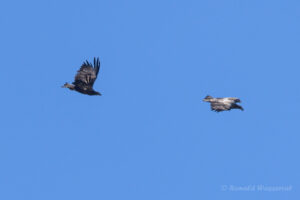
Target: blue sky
[149, 136]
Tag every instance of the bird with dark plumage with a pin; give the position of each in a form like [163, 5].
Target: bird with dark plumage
[85, 78]
[223, 104]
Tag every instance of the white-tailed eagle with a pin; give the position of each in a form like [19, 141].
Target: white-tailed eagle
[85, 78]
[223, 104]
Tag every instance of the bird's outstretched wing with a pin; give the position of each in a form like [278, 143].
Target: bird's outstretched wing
[87, 74]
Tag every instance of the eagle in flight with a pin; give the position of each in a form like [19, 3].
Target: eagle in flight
[85, 78]
[223, 104]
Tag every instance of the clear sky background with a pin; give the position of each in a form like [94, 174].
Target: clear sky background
[150, 136]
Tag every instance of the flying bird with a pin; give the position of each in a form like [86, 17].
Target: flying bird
[223, 104]
[85, 78]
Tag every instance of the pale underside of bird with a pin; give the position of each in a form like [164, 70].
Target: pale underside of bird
[223, 104]
[85, 78]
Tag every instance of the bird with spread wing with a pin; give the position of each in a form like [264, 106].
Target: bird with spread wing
[223, 104]
[85, 78]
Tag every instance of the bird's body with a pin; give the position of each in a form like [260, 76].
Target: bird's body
[85, 78]
[223, 104]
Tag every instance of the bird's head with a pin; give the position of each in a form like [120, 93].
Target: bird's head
[208, 98]
[67, 85]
